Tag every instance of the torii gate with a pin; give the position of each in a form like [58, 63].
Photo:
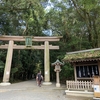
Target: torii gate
[28, 40]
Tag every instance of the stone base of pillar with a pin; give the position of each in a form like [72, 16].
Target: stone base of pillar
[5, 84]
[57, 84]
[46, 83]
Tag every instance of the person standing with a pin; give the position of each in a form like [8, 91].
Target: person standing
[39, 78]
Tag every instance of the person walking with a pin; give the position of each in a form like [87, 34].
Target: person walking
[39, 78]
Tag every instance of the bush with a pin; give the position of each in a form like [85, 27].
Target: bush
[67, 73]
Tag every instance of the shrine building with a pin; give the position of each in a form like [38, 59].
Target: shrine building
[86, 63]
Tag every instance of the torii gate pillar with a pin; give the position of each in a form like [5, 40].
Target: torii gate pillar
[8, 64]
[46, 64]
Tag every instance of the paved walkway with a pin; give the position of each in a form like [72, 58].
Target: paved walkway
[28, 90]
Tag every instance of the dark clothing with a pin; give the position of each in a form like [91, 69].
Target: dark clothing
[39, 77]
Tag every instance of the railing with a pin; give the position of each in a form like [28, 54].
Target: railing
[79, 85]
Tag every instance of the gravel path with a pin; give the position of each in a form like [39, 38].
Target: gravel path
[28, 90]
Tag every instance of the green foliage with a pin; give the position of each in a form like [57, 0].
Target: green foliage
[89, 5]
[1, 66]
[21, 17]
[14, 70]
[67, 73]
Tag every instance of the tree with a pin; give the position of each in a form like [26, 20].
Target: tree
[90, 14]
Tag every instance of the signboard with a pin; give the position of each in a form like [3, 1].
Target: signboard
[28, 41]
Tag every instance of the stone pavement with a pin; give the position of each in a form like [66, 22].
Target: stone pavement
[28, 90]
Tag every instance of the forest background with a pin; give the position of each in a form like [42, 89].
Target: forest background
[77, 21]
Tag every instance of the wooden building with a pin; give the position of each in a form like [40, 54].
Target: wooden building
[86, 63]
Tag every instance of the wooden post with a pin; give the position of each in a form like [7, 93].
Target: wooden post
[8, 63]
[99, 67]
[46, 64]
[75, 72]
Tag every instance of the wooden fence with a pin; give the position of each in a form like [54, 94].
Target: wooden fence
[79, 85]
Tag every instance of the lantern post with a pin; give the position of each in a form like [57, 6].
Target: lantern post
[57, 69]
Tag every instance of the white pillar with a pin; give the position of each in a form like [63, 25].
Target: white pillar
[8, 64]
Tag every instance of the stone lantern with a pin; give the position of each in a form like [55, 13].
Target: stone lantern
[57, 69]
